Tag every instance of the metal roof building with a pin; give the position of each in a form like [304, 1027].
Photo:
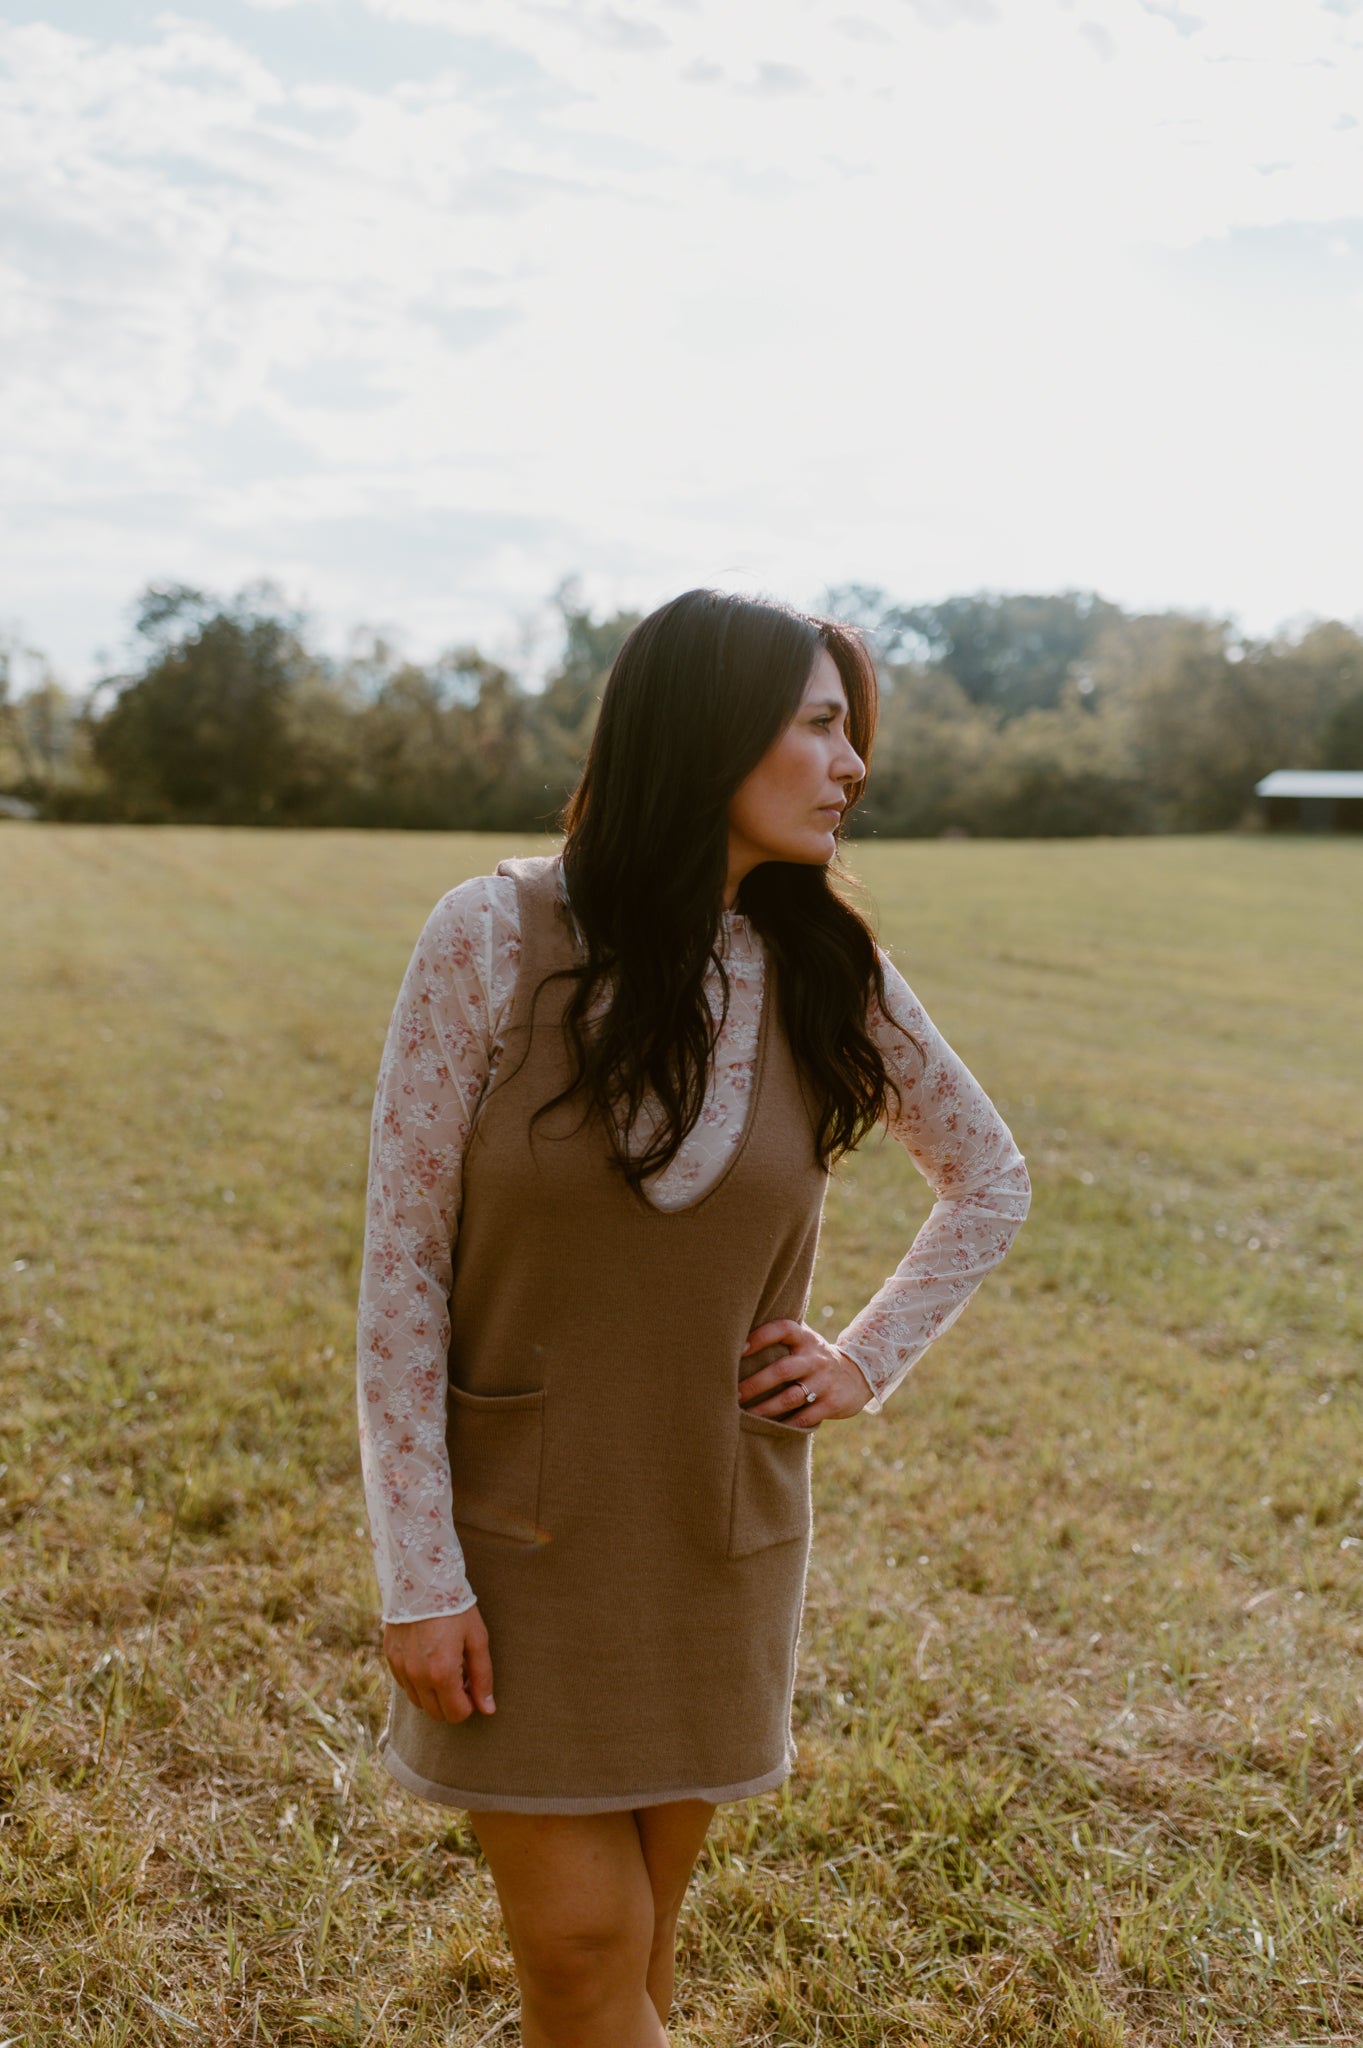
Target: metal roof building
[1313, 799]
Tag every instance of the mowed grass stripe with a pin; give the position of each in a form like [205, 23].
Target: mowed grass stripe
[1079, 1698]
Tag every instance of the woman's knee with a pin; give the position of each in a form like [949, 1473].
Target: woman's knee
[586, 1954]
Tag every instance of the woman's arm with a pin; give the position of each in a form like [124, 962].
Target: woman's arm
[437, 1058]
[965, 1151]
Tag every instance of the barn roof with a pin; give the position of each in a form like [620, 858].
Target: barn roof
[1311, 782]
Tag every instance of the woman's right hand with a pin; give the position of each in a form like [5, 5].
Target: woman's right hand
[443, 1664]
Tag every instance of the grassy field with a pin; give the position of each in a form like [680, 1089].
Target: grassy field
[1079, 1709]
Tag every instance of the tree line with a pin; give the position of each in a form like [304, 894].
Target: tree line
[1002, 715]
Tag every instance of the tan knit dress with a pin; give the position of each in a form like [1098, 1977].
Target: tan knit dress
[637, 1542]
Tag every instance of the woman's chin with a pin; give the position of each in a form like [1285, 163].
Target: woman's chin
[814, 849]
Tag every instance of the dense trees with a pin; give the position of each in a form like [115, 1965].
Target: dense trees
[209, 729]
[1052, 715]
[1062, 716]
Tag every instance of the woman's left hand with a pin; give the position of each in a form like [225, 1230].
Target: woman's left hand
[812, 1365]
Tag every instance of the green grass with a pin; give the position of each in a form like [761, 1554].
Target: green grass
[1079, 1702]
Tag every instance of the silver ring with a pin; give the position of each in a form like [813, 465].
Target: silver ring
[805, 1391]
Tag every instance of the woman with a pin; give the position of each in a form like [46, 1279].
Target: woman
[616, 1079]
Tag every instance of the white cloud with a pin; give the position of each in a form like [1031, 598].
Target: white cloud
[679, 291]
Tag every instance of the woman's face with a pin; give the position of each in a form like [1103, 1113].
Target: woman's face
[791, 804]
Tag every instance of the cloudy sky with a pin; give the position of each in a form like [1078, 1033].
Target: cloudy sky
[417, 306]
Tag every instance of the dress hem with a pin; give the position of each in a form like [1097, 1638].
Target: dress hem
[603, 1802]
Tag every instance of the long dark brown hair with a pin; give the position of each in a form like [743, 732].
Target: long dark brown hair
[698, 692]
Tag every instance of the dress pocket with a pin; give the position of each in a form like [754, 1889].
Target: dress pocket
[496, 1446]
[770, 1502]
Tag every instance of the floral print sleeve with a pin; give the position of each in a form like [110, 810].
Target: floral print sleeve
[441, 1046]
[965, 1151]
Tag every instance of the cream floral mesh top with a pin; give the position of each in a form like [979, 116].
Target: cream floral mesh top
[443, 1047]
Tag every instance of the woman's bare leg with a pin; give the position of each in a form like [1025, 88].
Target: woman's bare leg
[672, 1836]
[578, 1906]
